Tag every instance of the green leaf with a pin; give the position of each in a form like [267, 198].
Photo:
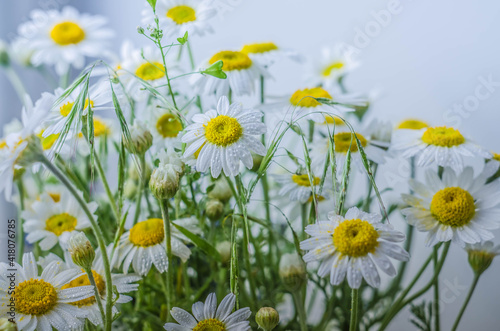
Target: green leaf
[184, 39]
[199, 242]
[152, 3]
[215, 70]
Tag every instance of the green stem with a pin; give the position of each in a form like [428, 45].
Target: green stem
[97, 295]
[191, 57]
[299, 305]
[142, 179]
[311, 131]
[368, 201]
[16, 82]
[104, 181]
[467, 299]
[158, 41]
[20, 231]
[437, 323]
[353, 325]
[168, 247]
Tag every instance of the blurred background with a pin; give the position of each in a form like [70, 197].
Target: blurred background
[435, 60]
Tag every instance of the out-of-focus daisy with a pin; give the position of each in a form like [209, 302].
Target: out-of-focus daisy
[335, 63]
[412, 124]
[226, 136]
[481, 255]
[42, 302]
[460, 207]
[207, 316]
[165, 126]
[268, 53]
[65, 38]
[353, 245]
[443, 146]
[298, 186]
[180, 16]
[49, 222]
[242, 74]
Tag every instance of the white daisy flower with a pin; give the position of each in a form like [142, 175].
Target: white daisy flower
[65, 38]
[226, 136]
[353, 245]
[268, 53]
[165, 127]
[242, 75]
[334, 63]
[42, 302]
[496, 157]
[298, 187]
[207, 316]
[443, 146]
[49, 222]
[144, 245]
[180, 16]
[459, 207]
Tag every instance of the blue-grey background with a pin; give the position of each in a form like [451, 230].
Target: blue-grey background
[427, 59]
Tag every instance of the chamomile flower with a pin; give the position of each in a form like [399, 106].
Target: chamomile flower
[179, 16]
[298, 187]
[353, 245]
[165, 126]
[242, 75]
[268, 53]
[207, 316]
[335, 63]
[49, 222]
[42, 302]
[442, 145]
[459, 207]
[66, 38]
[226, 136]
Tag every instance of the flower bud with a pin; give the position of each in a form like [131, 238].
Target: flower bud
[140, 139]
[224, 249]
[134, 174]
[214, 209]
[130, 189]
[267, 318]
[164, 181]
[292, 271]
[32, 153]
[220, 191]
[81, 251]
[481, 256]
[257, 160]
[173, 159]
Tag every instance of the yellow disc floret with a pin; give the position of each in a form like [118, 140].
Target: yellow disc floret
[147, 233]
[232, 60]
[333, 67]
[346, 140]
[84, 280]
[443, 137]
[496, 157]
[150, 71]
[210, 324]
[66, 108]
[223, 131]
[453, 206]
[60, 223]
[259, 48]
[67, 33]
[34, 297]
[48, 142]
[305, 97]
[329, 119]
[181, 14]
[355, 238]
[413, 124]
[100, 127]
[168, 126]
[303, 180]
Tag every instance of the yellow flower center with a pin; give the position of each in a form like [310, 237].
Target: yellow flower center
[223, 130]
[181, 14]
[84, 280]
[66, 108]
[335, 66]
[412, 124]
[34, 297]
[232, 60]
[67, 33]
[60, 223]
[496, 157]
[305, 97]
[355, 238]
[3, 144]
[443, 137]
[100, 128]
[168, 126]
[346, 140]
[48, 142]
[333, 120]
[56, 197]
[210, 324]
[259, 48]
[147, 233]
[150, 71]
[453, 206]
[303, 180]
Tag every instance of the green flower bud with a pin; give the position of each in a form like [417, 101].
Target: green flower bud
[220, 191]
[140, 139]
[164, 182]
[267, 318]
[292, 271]
[224, 249]
[82, 252]
[214, 209]
[481, 256]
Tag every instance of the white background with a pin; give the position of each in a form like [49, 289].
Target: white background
[424, 60]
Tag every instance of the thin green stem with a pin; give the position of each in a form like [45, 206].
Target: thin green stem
[17, 84]
[158, 42]
[20, 230]
[301, 311]
[437, 323]
[104, 181]
[353, 324]
[168, 247]
[97, 295]
[467, 299]
[368, 200]
[142, 178]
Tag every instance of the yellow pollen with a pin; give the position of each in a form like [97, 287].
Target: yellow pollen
[232, 60]
[147, 233]
[443, 137]
[210, 324]
[303, 180]
[305, 97]
[60, 223]
[346, 140]
[150, 71]
[67, 33]
[34, 297]
[168, 126]
[333, 120]
[66, 108]
[453, 206]
[335, 66]
[181, 14]
[413, 124]
[84, 280]
[259, 48]
[223, 130]
[355, 238]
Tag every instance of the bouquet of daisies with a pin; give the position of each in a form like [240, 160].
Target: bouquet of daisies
[150, 186]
